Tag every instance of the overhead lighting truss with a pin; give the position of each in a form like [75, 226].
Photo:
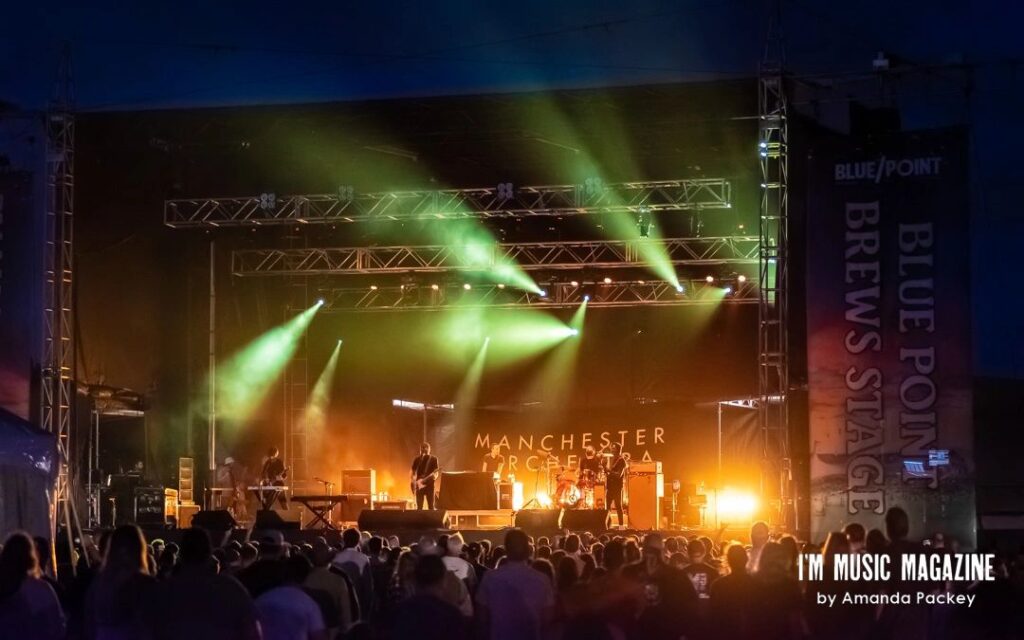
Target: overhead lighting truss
[425, 296]
[501, 201]
[736, 250]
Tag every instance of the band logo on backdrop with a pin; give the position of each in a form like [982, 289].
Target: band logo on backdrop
[523, 450]
[888, 336]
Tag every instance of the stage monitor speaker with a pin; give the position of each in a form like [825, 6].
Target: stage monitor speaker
[219, 520]
[270, 519]
[538, 521]
[592, 520]
[425, 520]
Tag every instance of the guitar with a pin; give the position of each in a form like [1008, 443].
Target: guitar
[418, 484]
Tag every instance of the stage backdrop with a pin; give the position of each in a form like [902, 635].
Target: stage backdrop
[888, 329]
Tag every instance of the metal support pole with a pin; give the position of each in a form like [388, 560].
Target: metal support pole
[211, 441]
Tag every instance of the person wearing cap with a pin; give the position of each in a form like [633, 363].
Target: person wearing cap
[669, 600]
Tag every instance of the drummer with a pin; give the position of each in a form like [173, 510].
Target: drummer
[590, 464]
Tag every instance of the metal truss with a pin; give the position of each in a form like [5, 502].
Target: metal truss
[56, 387]
[501, 201]
[411, 297]
[773, 274]
[736, 250]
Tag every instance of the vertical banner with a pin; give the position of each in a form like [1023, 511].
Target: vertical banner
[888, 330]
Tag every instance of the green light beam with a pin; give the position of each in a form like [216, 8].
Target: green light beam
[242, 382]
[315, 413]
[469, 389]
[553, 383]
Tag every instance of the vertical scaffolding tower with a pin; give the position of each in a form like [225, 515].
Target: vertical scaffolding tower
[56, 392]
[296, 381]
[773, 302]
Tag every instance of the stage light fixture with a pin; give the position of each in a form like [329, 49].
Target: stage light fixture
[575, 283]
[741, 278]
[586, 298]
[763, 145]
[574, 332]
[709, 279]
[543, 293]
[434, 287]
[467, 286]
[728, 291]
[373, 287]
[680, 289]
[735, 506]
[320, 302]
[501, 285]
[607, 280]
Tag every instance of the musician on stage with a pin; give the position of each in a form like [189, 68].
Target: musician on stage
[273, 474]
[590, 462]
[615, 471]
[422, 475]
[494, 461]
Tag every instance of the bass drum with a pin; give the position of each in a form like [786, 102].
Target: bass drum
[571, 496]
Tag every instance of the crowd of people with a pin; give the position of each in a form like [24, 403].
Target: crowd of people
[568, 586]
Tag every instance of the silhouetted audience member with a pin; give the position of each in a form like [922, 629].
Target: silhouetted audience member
[287, 612]
[515, 602]
[731, 596]
[218, 606]
[28, 604]
[426, 615]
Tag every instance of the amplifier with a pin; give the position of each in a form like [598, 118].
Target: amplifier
[359, 481]
[391, 505]
[641, 467]
[505, 495]
[185, 514]
[150, 507]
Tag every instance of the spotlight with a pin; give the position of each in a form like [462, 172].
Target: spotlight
[641, 282]
[763, 145]
[575, 283]
[320, 302]
[574, 332]
[679, 288]
[709, 279]
[607, 280]
[467, 286]
[728, 291]
[543, 293]
[741, 279]
[501, 285]
[434, 287]
[373, 287]
[586, 298]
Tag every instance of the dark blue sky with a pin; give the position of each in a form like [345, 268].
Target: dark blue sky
[153, 55]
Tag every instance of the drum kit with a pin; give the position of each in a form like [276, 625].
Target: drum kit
[576, 488]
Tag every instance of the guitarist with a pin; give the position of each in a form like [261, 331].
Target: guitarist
[422, 475]
[616, 475]
[273, 474]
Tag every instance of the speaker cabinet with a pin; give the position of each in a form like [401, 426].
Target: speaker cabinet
[539, 521]
[592, 520]
[269, 519]
[425, 520]
[645, 491]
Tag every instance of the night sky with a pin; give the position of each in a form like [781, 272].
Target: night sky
[188, 54]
